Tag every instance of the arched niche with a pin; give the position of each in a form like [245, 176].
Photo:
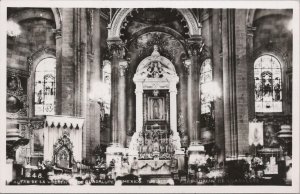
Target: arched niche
[114, 30]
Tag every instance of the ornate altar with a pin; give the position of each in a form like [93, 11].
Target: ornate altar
[63, 140]
[156, 141]
[63, 152]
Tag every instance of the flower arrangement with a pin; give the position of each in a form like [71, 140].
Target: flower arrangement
[257, 164]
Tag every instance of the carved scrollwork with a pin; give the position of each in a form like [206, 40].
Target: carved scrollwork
[63, 141]
[195, 46]
[116, 48]
[123, 65]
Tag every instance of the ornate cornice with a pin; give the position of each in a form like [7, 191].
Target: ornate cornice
[61, 121]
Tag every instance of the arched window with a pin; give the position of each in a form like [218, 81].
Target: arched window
[205, 80]
[268, 86]
[45, 87]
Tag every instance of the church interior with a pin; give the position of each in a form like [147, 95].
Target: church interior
[153, 96]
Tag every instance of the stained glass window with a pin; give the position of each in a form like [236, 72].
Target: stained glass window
[205, 80]
[268, 86]
[45, 87]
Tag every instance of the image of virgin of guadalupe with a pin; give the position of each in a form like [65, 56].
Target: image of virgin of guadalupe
[156, 107]
[156, 112]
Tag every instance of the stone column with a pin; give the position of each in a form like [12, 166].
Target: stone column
[116, 48]
[241, 70]
[192, 65]
[173, 105]
[58, 71]
[66, 77]
[250, 62]
[229, 84]
[196, 150]
[122, 102]
[218, 77]
[139, 106]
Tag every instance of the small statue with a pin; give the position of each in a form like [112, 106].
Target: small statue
[155, 52]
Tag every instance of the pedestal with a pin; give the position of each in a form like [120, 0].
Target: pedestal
[179, 155]
[9, 171]
[196, 153]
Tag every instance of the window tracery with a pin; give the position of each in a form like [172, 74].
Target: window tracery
[45, 87]
[268, 84]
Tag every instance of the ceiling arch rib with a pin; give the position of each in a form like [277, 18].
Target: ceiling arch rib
[114, 30]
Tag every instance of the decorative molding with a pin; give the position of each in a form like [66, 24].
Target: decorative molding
[283, 55]
[57, 17]
[31, 60]
[61, 121]
[63, 141]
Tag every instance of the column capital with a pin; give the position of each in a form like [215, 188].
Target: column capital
[173, 88]
[139, 87]
[195, 45]
[250, 30]
[116, 47]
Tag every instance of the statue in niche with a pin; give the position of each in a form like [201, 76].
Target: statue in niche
[162, 146]
[156, 145]
[150, 146]
[156, 108]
